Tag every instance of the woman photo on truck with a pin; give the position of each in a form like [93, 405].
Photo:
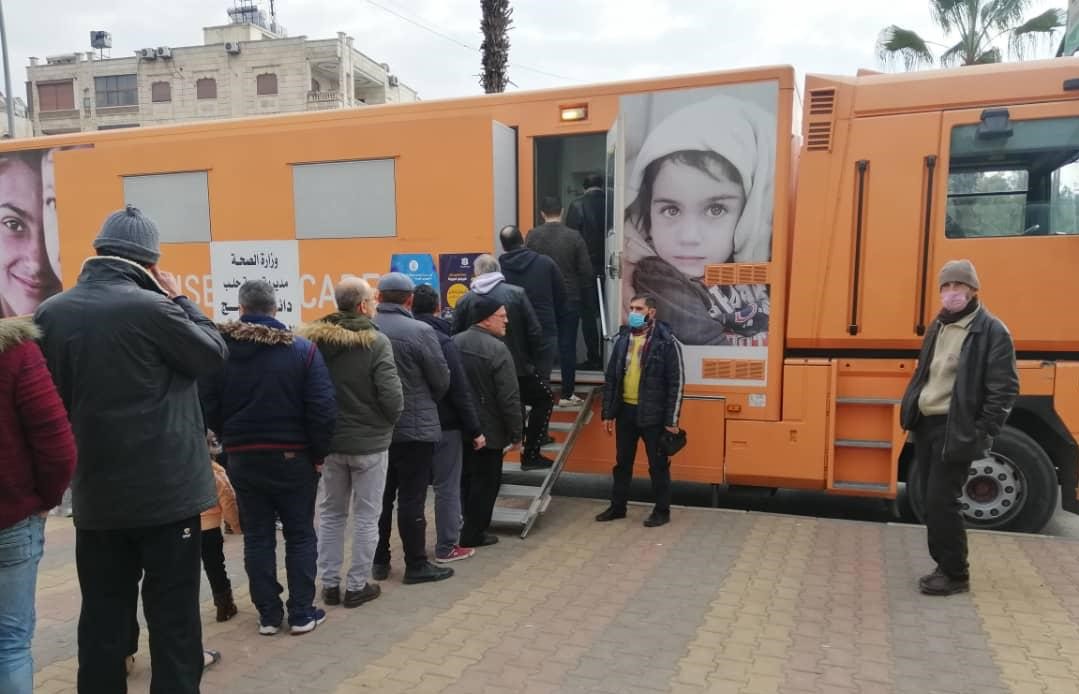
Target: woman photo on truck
[27, 275]
[701, 194]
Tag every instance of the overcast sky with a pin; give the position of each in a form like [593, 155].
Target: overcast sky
[554, 42]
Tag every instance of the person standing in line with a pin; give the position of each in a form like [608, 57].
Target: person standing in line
[524, 338]
[126, 349]
[958, 400]
[460, 427]
[369, 403]
[542, 282]
[425, 379]
[37, 459]
[589, 214]
[642, 396]
[274, 407]
[492, 376]
[213, 541]
[568, 250]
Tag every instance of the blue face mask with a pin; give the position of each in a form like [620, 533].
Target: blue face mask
[637, 320]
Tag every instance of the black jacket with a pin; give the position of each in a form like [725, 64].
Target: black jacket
[569, 252]
[662, 378]
[126, 361]
[986, 385]
[586, 215]
[524, 336]
[457, 408]
[542, 281]
[491, 375]
[274, 392]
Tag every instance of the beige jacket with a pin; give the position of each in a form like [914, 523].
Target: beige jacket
[226, 503]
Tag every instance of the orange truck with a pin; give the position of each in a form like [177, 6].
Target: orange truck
[793, 238]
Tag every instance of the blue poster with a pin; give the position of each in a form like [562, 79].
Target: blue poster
[419, 266]
[455, 269]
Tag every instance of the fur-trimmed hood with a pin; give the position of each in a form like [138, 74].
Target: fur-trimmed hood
[343, 330]
[15, 331]
[253, 332]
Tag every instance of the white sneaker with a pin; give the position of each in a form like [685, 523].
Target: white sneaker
[319, 618]
[269, 629]
[571, 401]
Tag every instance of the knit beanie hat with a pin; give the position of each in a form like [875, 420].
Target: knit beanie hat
[130, 234]
[959, 271]
[483, 307]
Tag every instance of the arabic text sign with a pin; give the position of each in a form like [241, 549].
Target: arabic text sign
[455, 270]
[419, 266]
[235, 262]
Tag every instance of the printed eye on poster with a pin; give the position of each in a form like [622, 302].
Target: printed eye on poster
[234, 262]
[29, 235]
[699, 189]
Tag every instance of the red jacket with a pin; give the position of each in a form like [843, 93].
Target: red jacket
[37, 449]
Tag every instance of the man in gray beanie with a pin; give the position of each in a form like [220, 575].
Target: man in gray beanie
[958, 400]
[125, 348]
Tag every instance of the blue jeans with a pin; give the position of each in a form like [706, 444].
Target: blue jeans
[567, 347]
[281, 484]
[446, 480]
[21, 546]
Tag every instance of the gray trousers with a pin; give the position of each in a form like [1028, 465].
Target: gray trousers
[358, 480]
[446, 480]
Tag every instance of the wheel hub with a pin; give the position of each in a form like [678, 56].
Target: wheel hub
[992, 491]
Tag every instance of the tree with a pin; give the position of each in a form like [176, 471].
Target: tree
[978, 25]
[495, 25]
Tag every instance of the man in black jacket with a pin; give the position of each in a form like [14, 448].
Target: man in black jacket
[642, 397]
[524, 338]
[590, 214]
[460, 427]
[542, 281]
[275, 409]
[958, 400]
[567, 248]
[490, 371]
[126, 349]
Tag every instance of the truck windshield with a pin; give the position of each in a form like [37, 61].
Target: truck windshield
[1025, 183]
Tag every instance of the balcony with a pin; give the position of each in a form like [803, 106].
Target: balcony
[327, 99]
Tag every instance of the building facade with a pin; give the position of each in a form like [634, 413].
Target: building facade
[242, 69]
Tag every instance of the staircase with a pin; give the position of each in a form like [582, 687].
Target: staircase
[521, 504]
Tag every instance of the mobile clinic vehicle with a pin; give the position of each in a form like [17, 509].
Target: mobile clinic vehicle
[794, 246]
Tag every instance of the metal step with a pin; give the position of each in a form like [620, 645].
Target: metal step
[867, 401]
[560, 426]
[861, 486]
[856, 443]
[514, 516]
[526, 491]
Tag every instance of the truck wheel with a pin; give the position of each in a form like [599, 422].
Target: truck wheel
[1014, 489]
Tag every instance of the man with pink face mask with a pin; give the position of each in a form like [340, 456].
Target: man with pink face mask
[958, 400]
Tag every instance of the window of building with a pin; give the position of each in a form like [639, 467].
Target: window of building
[1017, 179]
[206, 88]
[266, 84]
[56, 96]
[117, 90]
[160, 92]
[178, 202]
[347, 199]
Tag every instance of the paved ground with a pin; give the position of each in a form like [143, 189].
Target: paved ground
[718, 600]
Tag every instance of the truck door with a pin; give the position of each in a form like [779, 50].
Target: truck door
[1011, 205]
[612, 299]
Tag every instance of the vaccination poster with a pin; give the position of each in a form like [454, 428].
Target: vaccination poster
[456, 272]
[278, 262]
[420, 267]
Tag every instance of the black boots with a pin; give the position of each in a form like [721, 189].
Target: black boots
[226, 608]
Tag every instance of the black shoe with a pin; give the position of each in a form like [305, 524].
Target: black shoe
[355, 598]
[657, 518]
[546, 440]
[426, 573]
[540, 462]
[486, 540]
[331, 596]
[610, 514]
[380, 572]
[939, 583]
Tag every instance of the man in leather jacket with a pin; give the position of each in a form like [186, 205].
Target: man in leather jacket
[958, 400]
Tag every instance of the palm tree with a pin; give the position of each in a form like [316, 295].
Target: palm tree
[979, 24]
[495, 25]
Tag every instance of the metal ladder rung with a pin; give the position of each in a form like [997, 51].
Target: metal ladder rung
[856, 443]
[516, 516]
[526, 491]
[560, 426]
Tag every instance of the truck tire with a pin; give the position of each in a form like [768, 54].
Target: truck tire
[1016, 489]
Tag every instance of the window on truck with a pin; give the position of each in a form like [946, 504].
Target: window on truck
[1019, 181]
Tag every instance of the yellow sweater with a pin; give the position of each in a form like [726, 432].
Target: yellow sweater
[936, 396]
[631, 382]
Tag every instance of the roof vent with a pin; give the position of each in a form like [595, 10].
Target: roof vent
[822, 102]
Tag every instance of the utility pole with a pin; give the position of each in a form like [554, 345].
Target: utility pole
[9, 99]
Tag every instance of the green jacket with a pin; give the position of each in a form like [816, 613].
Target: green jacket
[369, 397]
